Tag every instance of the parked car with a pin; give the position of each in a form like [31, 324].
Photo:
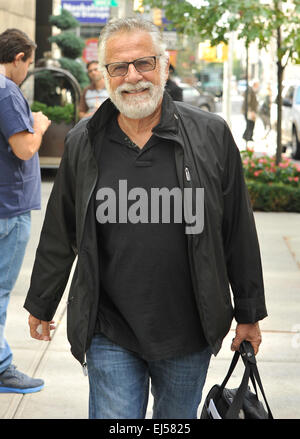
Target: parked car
[201, 99]
[211, 81]
[290, 125]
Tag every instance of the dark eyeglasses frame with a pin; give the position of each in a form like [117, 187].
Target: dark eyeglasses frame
[132, 62]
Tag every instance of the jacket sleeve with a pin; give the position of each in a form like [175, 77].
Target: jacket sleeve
[240, 240]
[56, 249]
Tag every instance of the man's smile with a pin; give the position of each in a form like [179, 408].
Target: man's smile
[139, 91]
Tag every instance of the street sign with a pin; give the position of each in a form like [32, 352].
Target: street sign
[106, 3]
[90, 52]
[85, 11]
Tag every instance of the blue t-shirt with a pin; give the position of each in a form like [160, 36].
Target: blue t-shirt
[20, 180]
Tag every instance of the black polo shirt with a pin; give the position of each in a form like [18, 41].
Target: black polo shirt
[147, 303]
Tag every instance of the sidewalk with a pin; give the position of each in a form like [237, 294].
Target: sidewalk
[66, 388]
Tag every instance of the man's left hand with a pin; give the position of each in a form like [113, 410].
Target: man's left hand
[247, 331]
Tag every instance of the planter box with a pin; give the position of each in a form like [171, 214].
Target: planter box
[52, 147]
[275, 197]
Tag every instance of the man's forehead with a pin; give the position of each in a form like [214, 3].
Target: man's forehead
[124, 42]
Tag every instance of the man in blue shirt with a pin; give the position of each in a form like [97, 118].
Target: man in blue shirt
[21, 135]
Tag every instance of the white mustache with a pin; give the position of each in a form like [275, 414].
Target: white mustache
[134, 87]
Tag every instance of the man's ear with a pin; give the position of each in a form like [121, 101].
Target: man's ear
[19, 57]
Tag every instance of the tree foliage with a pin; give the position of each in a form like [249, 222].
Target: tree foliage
[251, 19]
[64, 21]
[70, 44]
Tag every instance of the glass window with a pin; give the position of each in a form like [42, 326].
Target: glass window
[288, 94]
[298, 95]
[90, 31]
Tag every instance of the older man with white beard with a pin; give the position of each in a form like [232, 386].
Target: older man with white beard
[148, 299]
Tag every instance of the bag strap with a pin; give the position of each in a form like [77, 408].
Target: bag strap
[246, 352]
[229, 373]
[237, 402]
[256, 377]
[248, 356]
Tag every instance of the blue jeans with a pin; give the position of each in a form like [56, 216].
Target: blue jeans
[14, 236]
[119, 383]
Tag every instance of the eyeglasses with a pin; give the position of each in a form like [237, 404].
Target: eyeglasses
[141, 65]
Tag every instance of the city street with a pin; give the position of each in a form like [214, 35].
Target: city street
[238, 125]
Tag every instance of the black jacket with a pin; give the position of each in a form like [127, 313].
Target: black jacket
[174, 90]
[225, 253]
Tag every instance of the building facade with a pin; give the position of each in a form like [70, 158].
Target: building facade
[19, 14]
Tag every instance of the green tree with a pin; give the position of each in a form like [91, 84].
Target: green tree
[252, 20]
[70, 44]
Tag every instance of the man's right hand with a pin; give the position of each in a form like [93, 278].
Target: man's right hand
[46, 327]
[40, 122]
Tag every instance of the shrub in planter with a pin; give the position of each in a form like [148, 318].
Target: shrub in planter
[62, 118]
[273, 197]
[55, 113]
[271, 187]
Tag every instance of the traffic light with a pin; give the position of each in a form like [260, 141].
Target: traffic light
[207, 52]
[157, 16]
[213, 53]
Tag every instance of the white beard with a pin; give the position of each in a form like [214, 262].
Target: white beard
[140, 106]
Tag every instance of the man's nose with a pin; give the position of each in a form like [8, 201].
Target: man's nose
[133, 75]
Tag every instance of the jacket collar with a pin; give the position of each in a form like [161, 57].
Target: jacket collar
[166, 128]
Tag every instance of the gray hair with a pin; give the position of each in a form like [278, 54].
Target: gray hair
[129, 25]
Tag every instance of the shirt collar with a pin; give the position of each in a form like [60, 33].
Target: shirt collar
[166, 128]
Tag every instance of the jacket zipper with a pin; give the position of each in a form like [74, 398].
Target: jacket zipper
[191, 245]
[187, 174]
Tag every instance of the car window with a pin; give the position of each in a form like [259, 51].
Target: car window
[187, 93]
[190, 92]
[298, 96]
[288, 94]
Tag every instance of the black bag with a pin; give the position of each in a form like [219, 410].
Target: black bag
[249, 130]
[240, 403]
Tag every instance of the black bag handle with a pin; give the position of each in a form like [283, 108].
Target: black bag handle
[258, 380]
[248, 355]
[246, 352]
